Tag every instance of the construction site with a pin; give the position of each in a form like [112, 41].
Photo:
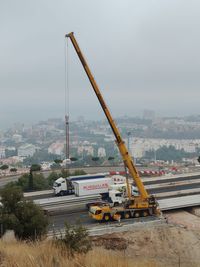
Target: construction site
[127, 212]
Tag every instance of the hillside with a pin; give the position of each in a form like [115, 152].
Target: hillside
[165, 245]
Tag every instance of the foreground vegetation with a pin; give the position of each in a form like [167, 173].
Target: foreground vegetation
[25, 218]
[46, 253]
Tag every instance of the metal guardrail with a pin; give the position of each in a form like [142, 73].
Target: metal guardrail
[68, 200]
[110, 228]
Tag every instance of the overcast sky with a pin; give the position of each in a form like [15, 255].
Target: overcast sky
[144, 54]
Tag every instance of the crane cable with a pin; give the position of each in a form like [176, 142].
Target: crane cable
[66, 56]
[66, 78]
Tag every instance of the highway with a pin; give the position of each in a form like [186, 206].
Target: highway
[172, 192]
[6, 180]
[154, 185]
[58, 222]
[81, 216]
[185, 187]
[176, 178]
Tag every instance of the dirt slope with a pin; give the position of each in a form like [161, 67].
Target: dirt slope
[165, 245]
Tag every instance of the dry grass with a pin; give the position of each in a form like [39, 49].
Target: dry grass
[45, 254]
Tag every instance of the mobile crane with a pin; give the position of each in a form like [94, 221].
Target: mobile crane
[133, 206]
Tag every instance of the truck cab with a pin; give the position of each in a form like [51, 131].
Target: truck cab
[115, 198]
[117, 194]
[62, 187]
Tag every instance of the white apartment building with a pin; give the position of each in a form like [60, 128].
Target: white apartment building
[2, 152]
[138, 146]
[26, 150]
[101, 152]
[17, 138]
[89, 150]
[57, 148]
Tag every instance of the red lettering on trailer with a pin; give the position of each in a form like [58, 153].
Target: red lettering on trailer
[95, 186]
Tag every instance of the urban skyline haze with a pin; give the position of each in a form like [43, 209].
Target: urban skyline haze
[143, 54]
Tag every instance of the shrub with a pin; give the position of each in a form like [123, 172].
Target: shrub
[13, 170]
[4, 167]
[75, 239]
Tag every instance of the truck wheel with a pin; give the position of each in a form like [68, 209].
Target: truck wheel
[61, 193]
[137, 214]
[116, 204]
[106, 217]
[127, 215]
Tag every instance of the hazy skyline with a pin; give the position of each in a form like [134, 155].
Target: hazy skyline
[143, 54]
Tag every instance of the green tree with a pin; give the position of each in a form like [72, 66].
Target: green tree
[75, 239]
[4, 167]
[78, 172]
[58, 161]
[55, 166]
[13, 169]
[23, 182]
[73, 159]
[34, 167]
[10, 196]
[52, 177]
[111, 159]
[64, 173]
[24, 217]
[95, 158]
[39, 182]
[32, 223]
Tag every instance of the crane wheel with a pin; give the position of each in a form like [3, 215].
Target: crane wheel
[137, 214]
[106, 217]
[127, 215]
[145, 213]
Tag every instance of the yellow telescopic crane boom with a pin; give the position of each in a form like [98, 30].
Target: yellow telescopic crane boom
[120, 143]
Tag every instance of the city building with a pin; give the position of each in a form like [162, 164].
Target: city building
[56, 148]
[101, 152]
[87, 149]
[26, 150]
[2, 152]
[17, 138]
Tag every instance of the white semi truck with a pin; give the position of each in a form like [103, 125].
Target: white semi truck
[112, 193]
[65, 186]
[111, 189]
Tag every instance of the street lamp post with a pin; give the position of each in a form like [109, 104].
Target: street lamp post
[128, 140]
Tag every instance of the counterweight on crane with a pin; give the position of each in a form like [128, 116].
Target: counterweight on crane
[133, 206]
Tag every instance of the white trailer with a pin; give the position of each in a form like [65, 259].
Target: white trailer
[92, 187]
[65, 186]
